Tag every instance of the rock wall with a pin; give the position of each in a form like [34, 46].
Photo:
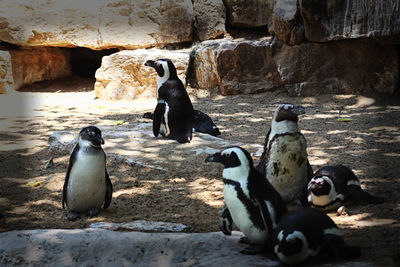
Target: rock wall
[313, 47]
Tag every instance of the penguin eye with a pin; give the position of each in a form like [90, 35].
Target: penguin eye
[91, 134]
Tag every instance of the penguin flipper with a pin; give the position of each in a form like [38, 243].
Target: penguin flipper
[356, 192]
[71, 162]
[109, 191]
[157, 118]
[225, 221]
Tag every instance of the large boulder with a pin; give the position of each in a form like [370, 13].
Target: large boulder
[252, 13]
[348, 66]
[123, 75]
[96, 24]
[235, 66]
[6, 79]
[209, 21]
[349, 19]
[31, 65]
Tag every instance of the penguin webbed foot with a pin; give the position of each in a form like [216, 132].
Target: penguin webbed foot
[245, 240]
[93, 212]
[72, 216]
[254, 249]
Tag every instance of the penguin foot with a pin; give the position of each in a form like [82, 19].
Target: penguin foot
[72, 216]
[93, 212]
[245, 240]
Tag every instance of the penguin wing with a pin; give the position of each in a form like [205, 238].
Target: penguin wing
[264, 157]
[72, 159]
[157, 118]
[109, 191]
[225, 220]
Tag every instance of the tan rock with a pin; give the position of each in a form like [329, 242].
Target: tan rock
[210, 16]
[123, 75]
[6, 80]
[96, 24]
[235, 66]
[31, 65]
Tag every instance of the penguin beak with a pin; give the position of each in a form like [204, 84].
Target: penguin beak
[149, 63]
[99, 140]
[214, 158]
[298, 110]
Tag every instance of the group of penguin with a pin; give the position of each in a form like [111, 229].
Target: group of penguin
[255, 198]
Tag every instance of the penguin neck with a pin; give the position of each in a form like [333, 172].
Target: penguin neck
[237, 174]
[87, 146]
[285, 126]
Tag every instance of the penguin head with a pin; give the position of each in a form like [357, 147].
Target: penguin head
[291, 246]
[320, 186]
[288, 112]
[164, 68]
[90, 136]
[236, 160]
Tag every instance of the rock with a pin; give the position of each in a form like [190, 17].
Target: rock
[141, 225]
[347, 66]
[349, 19]
[98, 247]
[31, 65]
[96, 24]
[235, 66]
[252, 13]
[6, 80]
[143, 149]
[123, 75]
[287, 24]
[209, 18]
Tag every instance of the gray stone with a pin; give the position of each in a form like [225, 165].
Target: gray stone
[349, 66]
[235, 66]
[209, 18]
[143, 149]
[285, 17]
[251, 13]
[98, 247]
[350, 19]
[141, 225]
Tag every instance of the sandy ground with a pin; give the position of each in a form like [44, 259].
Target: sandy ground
[192, 194]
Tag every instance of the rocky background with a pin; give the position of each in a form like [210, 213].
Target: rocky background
[305, 47]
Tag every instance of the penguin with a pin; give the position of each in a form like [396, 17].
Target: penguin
[87, 185]
[284, 161]
[331, 186]
[174, 110]
[252, 203]
[309, 233]
[202, 122]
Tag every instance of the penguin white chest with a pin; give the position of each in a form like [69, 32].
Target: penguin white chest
[287, 166]
[241, 217]
[86, 184]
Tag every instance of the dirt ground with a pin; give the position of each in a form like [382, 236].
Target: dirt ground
[192, 195]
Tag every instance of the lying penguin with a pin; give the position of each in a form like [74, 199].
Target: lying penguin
[87, 185]
[309, 233]
[174, 110]
[331, 186]
[202, 123]
[284, 161]
[252, 203]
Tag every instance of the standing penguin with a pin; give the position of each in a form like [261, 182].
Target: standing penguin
[252, 203]
[306, 233]
[87, 185]
[174, 110]
[331, 186]
[284, 161]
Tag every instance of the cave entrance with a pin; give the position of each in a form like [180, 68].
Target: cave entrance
[84, 63]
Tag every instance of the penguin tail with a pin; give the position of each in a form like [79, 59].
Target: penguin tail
[339, 248]
[355, 191]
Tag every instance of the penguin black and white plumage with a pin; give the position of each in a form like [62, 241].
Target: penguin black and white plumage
[284, 161]
[306, 233]
[202, 123]
[331, 186]
[87, 185]
[252, 203]
[174, 110]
